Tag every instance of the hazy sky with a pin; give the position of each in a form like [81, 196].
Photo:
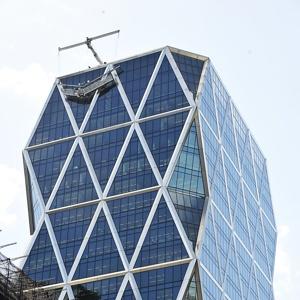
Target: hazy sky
[254, 45]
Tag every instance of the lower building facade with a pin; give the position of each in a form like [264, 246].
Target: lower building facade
[143, 182]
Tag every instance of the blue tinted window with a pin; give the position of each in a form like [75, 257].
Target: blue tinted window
[101, 254]
[211, 146]
[232, 280]
[233, 182]
[109, 110]
[47, 163]
[265, 197]
[55, 123]
[106, 289]
[135, 172]
[228, 139]
[240, 222]
[245, 263]
[190, 69]
[223, 235]
[77, 185]
[189, 209]
[221, 97]
[260, 252]
[186, 186]
[70, 227]
[252, 213]
[135, 75]
[248, 170]
[162, 283]
[207, 104]
[103, 150]
[129, 215]
[210, 290]
[166, 93]
[187, 175]
[162, 136]
[219, 193]
[163, 242]
[270, 235]
[209, 254]
[41, 264]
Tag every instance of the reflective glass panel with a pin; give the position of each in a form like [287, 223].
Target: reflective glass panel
[55, 123]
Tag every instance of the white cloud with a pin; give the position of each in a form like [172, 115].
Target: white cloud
[11, 186]
[31, 82]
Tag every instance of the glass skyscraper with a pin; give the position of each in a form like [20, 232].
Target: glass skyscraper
[143, 182]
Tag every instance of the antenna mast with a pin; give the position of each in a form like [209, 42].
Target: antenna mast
[88, 43]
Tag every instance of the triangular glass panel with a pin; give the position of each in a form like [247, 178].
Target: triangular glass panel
[244, 262]
[223, 237]
[209, 288]
[166, 93]
[260, 252]
[163, 242]
[228, 138]
[129, 215]
[248, 170]
[106, 289]
[270, 235]
[128, 293]
[209, 255]
[252, 213]
[135, 75]
[55, 123]
[47, 163]
[233, 183]
[162, 136]
[41, 265]
[232, 281]
[103, 149]
[77, 185]
[190, 69]
[186, 186]
[212, 148]
[240, 221]
[265, 197]
[70, 227]
[192, 289]
[101, 255]
[219, 193]
[134, 172]
[207, 103]
[109, 110]
[162, 283]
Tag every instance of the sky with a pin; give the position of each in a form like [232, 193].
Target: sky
[254, 46]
